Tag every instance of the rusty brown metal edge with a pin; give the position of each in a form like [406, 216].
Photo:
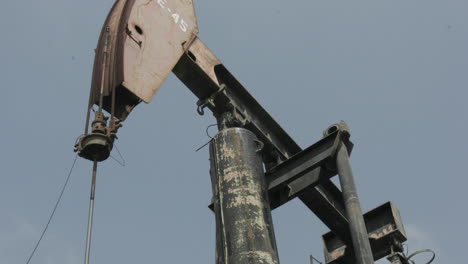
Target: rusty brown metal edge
[126, 100]
[97, 66]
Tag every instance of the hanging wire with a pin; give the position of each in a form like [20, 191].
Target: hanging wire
[420, 252]
[407, 249]
[121, 162]
[78, 138]
[312, 258]
[207, 130]
[208, 134]
[53, 211]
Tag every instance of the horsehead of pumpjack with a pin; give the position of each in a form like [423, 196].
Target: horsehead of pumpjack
[139, 45]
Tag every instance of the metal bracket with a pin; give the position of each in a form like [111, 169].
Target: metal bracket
[203, 103]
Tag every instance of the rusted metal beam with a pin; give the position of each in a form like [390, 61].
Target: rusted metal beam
[244, 228]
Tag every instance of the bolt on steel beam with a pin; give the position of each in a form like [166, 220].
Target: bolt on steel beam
[244, 227]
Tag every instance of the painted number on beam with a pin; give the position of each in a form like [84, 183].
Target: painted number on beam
[177, 19]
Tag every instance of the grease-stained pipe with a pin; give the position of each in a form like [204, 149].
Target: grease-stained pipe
[361, 245]
[244, 228]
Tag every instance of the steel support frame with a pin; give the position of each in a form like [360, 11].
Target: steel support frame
[219, 91]
[385, 231]
[305, 171]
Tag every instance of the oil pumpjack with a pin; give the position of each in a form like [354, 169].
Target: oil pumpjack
[255, 165]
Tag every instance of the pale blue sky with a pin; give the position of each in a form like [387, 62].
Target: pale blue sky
[396, 71]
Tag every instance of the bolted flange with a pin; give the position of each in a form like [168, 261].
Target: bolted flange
[97, 145]
[94, 147]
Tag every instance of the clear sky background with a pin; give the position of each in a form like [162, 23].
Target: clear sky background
[396, 71]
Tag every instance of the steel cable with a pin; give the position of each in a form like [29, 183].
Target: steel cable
[419, 252]
[53, 211]
[121, 162]
[208, 134]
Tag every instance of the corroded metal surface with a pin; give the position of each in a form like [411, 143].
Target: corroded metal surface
[156, 36]
[357, 226]
[146, 40]
[385, 232]
[244, 228]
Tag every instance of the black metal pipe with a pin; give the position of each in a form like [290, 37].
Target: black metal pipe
[244, 228]
[357, 225]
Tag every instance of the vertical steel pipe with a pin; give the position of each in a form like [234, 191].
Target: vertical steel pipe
[91, 213]
[244, 228]
[357, 225]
